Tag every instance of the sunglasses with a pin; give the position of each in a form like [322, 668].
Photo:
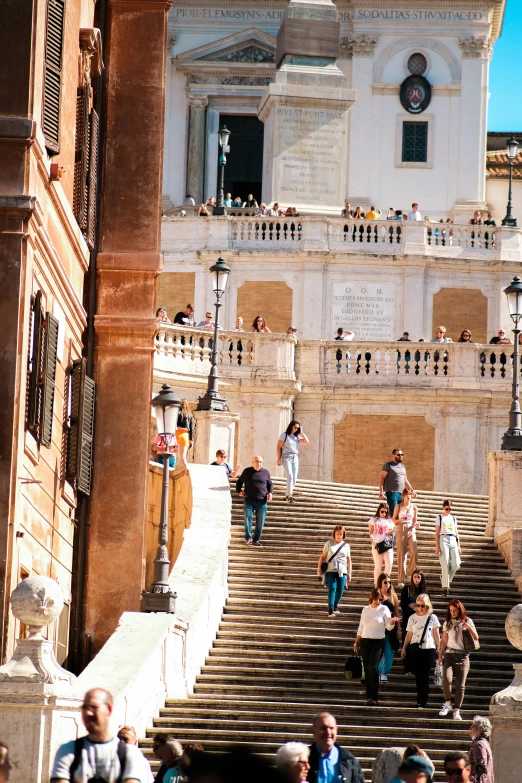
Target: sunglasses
[454, 770]
[383, 511]
[386, 582]
[400, 454]
[421, 606]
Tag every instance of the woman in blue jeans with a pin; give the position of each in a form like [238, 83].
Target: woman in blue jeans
[336, 553]
[287, 455]
[391, 640]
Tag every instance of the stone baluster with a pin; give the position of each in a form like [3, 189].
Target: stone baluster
[196, 146]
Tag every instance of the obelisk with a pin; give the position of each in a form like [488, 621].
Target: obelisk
[305, 111]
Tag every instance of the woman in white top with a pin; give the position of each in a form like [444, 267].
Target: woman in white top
[405, 517]
[447, 545]
[423, 630]
[381, 527]
[336, 553]
[454, 657]
[375, 620]
[287, 455]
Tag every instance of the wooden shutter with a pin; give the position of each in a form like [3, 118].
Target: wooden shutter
[35, 366]
[49, 378]
[81, 156]
[79, 446]
[53, 75]
[92, 182]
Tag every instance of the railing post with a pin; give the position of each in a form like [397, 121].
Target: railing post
[414, 237]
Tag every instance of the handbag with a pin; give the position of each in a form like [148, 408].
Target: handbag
[353, 667]
[412, 651]
[468, 642]
[384, 546]
[437, 675]
[325, 563]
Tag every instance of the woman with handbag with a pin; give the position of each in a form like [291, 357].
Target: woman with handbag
[409, 593]
[335, 564]
[459, 638]
[381, 528]
[375, 620]
[185, 431]
[391, 639]
[405, 517]
[447, 545]
[421, 644]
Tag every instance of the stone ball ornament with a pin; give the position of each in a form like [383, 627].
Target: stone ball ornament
[514, 626]
[37, 601]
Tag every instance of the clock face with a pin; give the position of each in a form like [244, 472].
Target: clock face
[415, 94]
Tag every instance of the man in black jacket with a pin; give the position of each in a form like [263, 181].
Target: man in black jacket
[257, 492]
[328, 761]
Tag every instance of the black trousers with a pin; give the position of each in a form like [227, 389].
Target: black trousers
[423, 667]
[371, 652]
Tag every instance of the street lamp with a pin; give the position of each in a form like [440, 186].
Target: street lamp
[223, 137]
[511, 149]
[512, 440]
[212, 400]
[159, 597]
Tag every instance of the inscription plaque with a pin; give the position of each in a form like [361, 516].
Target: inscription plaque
[367, 309]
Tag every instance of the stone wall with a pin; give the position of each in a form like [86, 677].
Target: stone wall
[175, 292]
[270, 299]
[462, 308]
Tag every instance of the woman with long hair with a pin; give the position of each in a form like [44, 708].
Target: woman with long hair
[336, 553]
[375, 620]
[259, 324]
[409, 593]
[423, 632]
[381, 527]
[480, 751]
[391, 639]
[465, 336]
[185, 431]
[287, 455]
[454, 656]
[405, 517]
[447, 545]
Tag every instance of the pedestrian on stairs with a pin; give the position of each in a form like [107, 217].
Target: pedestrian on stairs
[287, 455]
[447, 545]
[292, 761]
[409, 593]
[391, 639]
[405, 517]
[330, 762]
[393, 480]
[336, 553]
[375, 620]
[257, 493]
[381, 527]
[422, 632]
[454, 657]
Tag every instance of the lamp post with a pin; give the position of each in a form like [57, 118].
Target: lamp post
[512, 440]
[212, 400]
[223, 136]
[511, 149]
[159, 597]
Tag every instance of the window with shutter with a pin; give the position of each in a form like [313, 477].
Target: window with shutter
[53, 75]
[49, 378]
[92, 178]
[414, 142]
[81, 431]
[81, 156]
[35, 365]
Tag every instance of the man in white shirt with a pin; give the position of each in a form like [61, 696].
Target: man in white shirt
[414, 213]
[100, 754]
[208, 323]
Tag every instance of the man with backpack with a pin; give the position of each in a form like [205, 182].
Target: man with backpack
[100, 757]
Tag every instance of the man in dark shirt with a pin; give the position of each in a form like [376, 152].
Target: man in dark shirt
[405, 338]
[185, 317]
[500, 339]
[393, 479]
[257, 492]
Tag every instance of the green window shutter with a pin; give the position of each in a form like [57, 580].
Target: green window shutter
[81, 156]
[53, 75]
[48, 381]
[35, 366]
[92, 178]
[414, 142]
[81, 430]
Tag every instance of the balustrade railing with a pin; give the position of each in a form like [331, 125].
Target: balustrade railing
[467, 237]
[268, 230]
[386, 360]
[365, 232]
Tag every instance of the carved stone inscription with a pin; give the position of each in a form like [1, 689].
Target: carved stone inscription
[310, 150]
[367, 309]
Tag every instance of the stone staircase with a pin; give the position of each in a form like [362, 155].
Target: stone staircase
[278, 659]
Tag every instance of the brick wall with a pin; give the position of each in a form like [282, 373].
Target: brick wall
[461, 308]
[270, 299]
[363, 443]
[175, 291]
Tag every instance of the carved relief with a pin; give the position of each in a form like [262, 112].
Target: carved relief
[362, 45]
[248, 81]
[198, 101]
[250, 53]
[480, 47]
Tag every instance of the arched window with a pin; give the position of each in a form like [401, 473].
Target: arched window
[417, 64]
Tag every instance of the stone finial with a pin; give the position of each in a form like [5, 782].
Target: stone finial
[509, 700]
[514, 626]
[37, 601]
[480, 47]
[362, 45]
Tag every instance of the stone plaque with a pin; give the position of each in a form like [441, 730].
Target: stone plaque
[367, 309]
[309, 154]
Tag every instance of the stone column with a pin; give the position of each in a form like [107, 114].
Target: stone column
[196, 147]
[505, 713]
[505, 482]
[215, 430]
[127, 265]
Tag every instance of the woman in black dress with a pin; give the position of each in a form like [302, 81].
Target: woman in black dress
[408, 595]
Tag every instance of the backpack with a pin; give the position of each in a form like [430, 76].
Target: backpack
[78, 748]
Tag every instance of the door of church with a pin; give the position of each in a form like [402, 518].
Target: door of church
[244, 169]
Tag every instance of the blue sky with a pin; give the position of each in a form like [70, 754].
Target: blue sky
[505, 74]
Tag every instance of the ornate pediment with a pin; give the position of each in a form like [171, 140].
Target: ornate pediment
[251, 52]
[250, 47]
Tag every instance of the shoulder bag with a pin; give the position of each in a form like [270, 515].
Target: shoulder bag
[412, 652]
[468, 642]
[325, 563]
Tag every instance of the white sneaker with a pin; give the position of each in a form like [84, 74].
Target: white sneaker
[446, 707]
[384, 678]
[457, 715]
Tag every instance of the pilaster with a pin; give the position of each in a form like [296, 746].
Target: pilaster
[196, 146]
